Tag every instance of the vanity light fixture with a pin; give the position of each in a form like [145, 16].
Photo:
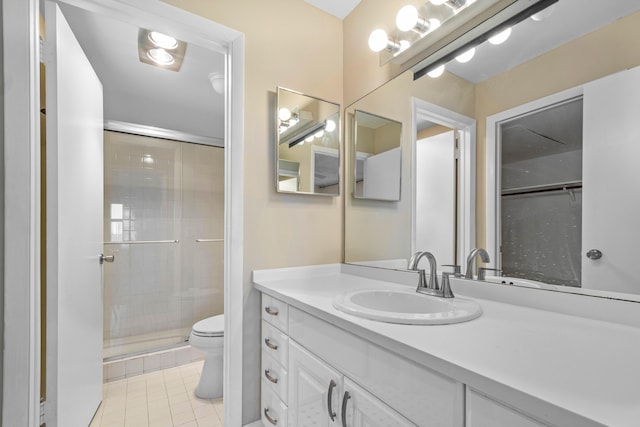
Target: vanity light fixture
[331, 126]
[160, 50]
[217, 82]
[543, 14]
[408, 19]
[287, 119]
[436, 72]
[501, 37]
[466, 56]
[379, 41]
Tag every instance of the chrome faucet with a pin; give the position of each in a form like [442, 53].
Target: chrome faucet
[471, 258]
[431, 287]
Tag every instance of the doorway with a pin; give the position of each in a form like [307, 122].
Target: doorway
[21, 404]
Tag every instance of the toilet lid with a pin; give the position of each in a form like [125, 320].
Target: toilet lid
[211, 326]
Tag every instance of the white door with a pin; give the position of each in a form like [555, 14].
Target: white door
[382, 175]
[611, 149]
[74, 228]
[436, 196]
[362, 409]
[314, 390]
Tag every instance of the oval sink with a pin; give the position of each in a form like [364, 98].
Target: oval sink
[406, 307]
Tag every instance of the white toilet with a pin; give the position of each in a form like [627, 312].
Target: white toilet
[207, 336]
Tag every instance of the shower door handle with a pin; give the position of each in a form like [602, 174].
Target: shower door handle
[107, 258]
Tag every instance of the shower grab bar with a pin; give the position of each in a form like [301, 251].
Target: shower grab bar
[209, 240]
[141, 242]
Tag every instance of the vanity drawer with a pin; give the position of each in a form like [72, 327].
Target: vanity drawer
[274, 376]
[275, 343]
[273, 411]
[275, 312]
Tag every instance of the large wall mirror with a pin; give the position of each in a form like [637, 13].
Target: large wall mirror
[535, 159]
[307, 144]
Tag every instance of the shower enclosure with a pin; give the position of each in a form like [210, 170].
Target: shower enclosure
[163, 216]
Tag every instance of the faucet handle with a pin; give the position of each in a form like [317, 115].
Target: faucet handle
[482, 272]
[446, 286]
[456, 269]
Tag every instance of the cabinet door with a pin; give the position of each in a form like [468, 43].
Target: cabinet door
[485, 412]
[314, 390]
[359, 408]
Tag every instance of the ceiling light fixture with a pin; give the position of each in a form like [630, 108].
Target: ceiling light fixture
[160, 50]
[160, 56]
[162, 40]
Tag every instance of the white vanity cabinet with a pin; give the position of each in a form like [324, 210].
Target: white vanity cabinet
[359, 408]
[482, 411]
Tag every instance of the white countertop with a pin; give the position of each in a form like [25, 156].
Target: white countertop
[562, 367]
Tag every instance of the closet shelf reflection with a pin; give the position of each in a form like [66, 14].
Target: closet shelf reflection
[571, 185]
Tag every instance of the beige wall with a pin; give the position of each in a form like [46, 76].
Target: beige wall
[291, 44]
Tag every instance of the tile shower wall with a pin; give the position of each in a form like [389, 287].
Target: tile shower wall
[160, 196]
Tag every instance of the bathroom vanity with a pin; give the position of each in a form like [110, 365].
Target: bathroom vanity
[519, 364]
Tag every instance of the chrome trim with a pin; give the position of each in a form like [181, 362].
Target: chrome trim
[332, 414]
[155, 132]
[345, 399]
[141, 242]
[106, 258]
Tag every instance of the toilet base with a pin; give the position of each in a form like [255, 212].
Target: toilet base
[210, 384]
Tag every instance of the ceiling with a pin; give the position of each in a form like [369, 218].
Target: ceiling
[143, 94]
[337, 8]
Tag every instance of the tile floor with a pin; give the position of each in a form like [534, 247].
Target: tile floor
[163, 398]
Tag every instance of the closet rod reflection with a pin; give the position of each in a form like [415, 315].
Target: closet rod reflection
[573, 185]
[209, 240]
[141, 242]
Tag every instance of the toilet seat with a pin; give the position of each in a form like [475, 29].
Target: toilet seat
[209, 327]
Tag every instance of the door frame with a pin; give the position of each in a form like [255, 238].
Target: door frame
[493, 175]
[466, 200]
[21, 358]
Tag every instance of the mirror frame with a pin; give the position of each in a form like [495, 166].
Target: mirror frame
[276, 144]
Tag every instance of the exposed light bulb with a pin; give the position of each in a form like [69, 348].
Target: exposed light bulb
[466, 56]
[160, 56]
[217, 82]
[309, 138]
[162, 40]
[319, 134]
[378, 40]
[500, 37]
[436, 72]
[544, 13]
[284, 114]
[330, 126]
[407, 18]
[438, 2]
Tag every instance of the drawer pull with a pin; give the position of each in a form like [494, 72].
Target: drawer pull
[271, 311]
[271, 378]
[332, 414]
[345, 399]
[273, 421]
[269, 344]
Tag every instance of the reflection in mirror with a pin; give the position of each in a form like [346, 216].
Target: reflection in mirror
[307, 144]
[378, 157]
[552, 192]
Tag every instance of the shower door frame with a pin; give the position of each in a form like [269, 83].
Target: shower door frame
[21, 218]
